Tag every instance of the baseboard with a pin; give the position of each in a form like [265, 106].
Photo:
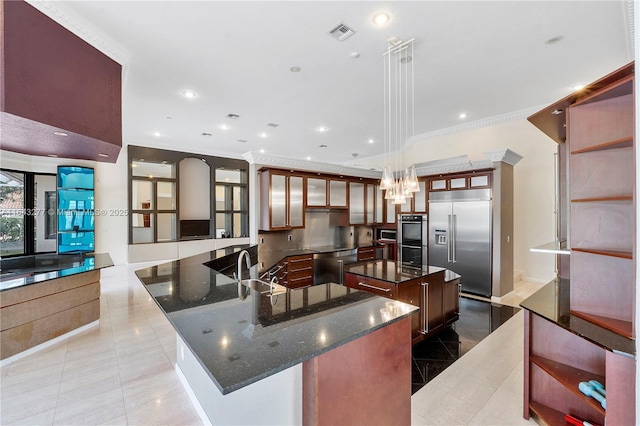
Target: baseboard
[192, 397]
[48, 343]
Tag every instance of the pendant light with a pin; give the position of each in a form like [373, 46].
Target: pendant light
[399, 114]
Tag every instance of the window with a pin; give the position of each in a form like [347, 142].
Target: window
[153, 202]
[232, 203]
[12, 213]
[28, 219]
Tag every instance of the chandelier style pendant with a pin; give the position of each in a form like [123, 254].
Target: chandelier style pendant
[399, 119]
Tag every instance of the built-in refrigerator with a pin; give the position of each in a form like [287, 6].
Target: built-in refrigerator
[460, 236]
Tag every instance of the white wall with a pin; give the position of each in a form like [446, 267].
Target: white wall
[534, 221]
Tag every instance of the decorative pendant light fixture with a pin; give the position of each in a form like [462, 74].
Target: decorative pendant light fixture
[399, 117]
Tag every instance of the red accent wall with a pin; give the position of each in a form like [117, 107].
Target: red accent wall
[56, 80]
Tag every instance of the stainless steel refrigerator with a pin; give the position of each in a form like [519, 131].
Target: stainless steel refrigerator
[460, 236]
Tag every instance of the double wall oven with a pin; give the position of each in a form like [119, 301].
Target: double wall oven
[413, 234]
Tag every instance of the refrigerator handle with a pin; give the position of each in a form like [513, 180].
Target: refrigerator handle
[454, 236]
[449, 239]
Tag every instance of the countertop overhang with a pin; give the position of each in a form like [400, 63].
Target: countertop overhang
[241, 336]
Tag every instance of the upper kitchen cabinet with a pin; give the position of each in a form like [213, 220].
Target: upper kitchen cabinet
[323, 193]
[475, 180]
[282, 196]
[356, 203]
[60, 96]
[418, 202]
[374, 204]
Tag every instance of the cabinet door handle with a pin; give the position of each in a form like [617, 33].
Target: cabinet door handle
[386, 290]
[425, 308]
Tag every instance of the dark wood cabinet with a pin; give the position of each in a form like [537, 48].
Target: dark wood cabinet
[366, 253]
[282, 200]
[439, 305]
[451, 304]
[600, 128]
[299, 271]
[458, 181]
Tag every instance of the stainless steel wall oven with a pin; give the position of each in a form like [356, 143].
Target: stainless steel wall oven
[413, 234]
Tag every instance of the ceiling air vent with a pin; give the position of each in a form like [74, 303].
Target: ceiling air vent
[274, 125]
[341, 32]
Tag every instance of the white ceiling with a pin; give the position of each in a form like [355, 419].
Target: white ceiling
[482, 58]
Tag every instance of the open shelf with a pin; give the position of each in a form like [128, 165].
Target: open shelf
[623, 328]
[603, 199]
[611, 253]
[618, 143]
[570, 378]
[547, 415]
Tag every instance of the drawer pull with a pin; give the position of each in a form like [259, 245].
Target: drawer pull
[306, 259]
[386, 290]
[301, 269]
[299, 279]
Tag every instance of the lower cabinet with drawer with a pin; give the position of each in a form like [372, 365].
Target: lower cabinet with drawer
[436, 298]
[299, 271]
[366, 253]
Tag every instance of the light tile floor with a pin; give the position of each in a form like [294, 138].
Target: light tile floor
[121, 372]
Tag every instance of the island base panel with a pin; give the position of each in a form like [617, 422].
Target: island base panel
[367, 381]
[274, 400]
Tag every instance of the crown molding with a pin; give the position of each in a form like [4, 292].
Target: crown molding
[441, 169]
[504, 155]
[473, 125]
[630, 28]
[61, 14]
[267, 160]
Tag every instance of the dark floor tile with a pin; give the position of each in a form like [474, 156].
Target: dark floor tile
[432, 349]
[477, 320]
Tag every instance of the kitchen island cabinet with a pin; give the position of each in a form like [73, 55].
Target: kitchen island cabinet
[290, 354]
[435, 290]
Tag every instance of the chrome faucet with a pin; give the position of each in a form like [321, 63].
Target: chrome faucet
[243, 254]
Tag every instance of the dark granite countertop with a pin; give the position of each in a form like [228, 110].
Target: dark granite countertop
[552, 303]
[240, 341]
[394, 272]
[28, 270]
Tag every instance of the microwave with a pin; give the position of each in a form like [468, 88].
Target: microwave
[387, 234]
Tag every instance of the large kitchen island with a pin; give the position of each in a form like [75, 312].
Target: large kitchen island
[258, 354]
[435, 290]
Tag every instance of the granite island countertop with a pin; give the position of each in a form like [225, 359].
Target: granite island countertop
[242, 337]
[395, 272]
[27, 270]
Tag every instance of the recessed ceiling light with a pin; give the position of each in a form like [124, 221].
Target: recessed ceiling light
[262, 151]
[189, 94]
[224, 127]
[205, 134]
[263, 135]
[370, 140]
[355, 55]
[322, 129]
[380, 18]
[61, 134]
[462, 115]
[554, 40]
[52, 155]
[295, 69]
[157, 134]
[578, 86]
[103, 155]
[308, 158]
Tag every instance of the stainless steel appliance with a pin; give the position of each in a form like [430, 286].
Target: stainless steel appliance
[413, 240]
[387, 234]
[329, 267]
[460, 236]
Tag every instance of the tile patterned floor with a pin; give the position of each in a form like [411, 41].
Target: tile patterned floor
[477, 320]
[121, 372]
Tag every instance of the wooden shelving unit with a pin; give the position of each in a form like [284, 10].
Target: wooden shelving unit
[578, 343]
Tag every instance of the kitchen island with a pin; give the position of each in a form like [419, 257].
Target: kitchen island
[435, 290]
[256, 354]
[46, 296]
